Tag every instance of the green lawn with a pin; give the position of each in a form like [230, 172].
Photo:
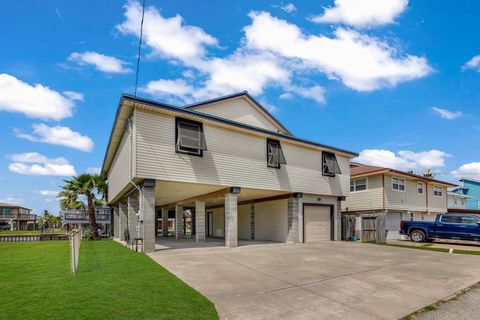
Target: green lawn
[112, 282]
[429, 248]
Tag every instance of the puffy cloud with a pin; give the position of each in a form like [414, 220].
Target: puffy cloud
[473, 63]
[33, 163]
[74, 95]
[468, 170]
[289, 7]
[168, 37]
[362, 62]
[403, 160]
[447, 114]
[170, 89]
[93, 170]
[35, 101]
[47, 193]
[365, 13]
[58, 135]
[100, 61]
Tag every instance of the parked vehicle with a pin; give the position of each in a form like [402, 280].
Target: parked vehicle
[446, 226]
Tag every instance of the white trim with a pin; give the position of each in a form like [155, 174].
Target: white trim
[404, 184]
[366, 184]
[423, 188]
[433, 191]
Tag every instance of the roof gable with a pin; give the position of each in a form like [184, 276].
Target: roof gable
[243, 108]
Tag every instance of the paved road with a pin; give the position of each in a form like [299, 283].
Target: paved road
[465, 307]
[330, 280]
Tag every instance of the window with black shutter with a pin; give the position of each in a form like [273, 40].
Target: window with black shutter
[189, 137]
[275, 155]
[330, 165]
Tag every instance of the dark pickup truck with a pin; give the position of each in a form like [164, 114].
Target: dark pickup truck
[462, 226]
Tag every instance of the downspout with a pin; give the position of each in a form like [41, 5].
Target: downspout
[140, 193]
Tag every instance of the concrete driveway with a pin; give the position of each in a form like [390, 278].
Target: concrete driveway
[331, 280]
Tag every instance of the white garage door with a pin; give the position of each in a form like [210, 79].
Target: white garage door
[393, 225]
[317, 223]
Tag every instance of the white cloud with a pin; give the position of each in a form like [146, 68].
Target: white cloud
[35, 101]
[447, 114]
[316, 93]
[168, 37]
[468, 170]
[365, 13]
[473, 63]
[289, 7]
[12, 200]
[362, 62]
[403, 160]
[93, 170]
[47, 193]
[101, 62]
[33, 163]
[165, 88]
[58, 135]
[74, 95]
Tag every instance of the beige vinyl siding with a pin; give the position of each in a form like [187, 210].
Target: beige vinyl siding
[437, 204]
[233, 158]
[244, 225]
[239, 110]
[119, 173]
[370, 199]
[408, 200]
[271, 220]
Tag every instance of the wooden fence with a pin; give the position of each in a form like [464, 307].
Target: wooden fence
[30, 238]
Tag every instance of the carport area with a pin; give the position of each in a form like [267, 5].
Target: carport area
[324, 280]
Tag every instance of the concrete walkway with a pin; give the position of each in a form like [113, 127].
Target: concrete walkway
[330, 280]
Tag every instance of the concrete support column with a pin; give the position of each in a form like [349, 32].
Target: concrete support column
[200, 220]
[165, 222]
[122, 219]
[148, 215]
[179, 222]
[132, 203]
[231, 220]
[293, 213]
[116, 222]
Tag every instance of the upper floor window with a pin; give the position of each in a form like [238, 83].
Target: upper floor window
[420, 188]
[358, 185]
[189, 137]
[275, 155]
[398, 184]
[437, 191]
[330, 165]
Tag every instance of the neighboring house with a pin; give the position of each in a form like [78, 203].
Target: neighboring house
[398, 194]
[242, 174]
[471, 188]
[457, 200]
[77, 218]
[17, 217]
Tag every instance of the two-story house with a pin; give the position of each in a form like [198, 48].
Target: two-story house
[471, 188]
[400, 195]
[238, 170]
[16, 217]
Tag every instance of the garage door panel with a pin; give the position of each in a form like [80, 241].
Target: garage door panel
[317, 223]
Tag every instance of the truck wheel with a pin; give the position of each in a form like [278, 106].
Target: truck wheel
[417, 236]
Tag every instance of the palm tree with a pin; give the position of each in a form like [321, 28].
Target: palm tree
[93, 188]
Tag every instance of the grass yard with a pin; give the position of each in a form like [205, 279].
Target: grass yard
[112, 282]
[428, 247]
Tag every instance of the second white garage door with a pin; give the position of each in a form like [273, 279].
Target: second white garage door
[317, 223]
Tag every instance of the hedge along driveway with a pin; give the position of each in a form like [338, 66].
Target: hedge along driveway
[112, 282]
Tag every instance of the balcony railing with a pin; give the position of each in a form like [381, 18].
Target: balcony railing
[77, 215]
[6, 216]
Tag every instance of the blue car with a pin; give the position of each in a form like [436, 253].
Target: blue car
[462, 226]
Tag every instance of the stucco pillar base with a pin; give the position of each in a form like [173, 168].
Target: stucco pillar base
[200, 221]
[165, 222]
[122, 219]
[148, 215]
[293, 212]
[132, 203]
[116, 222]
[179, 222]
[231, 220]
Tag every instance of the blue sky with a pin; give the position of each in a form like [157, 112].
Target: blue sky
[396, 81]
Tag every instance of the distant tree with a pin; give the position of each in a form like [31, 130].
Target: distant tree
[93, 188]
[429, 174]
[410, 171]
